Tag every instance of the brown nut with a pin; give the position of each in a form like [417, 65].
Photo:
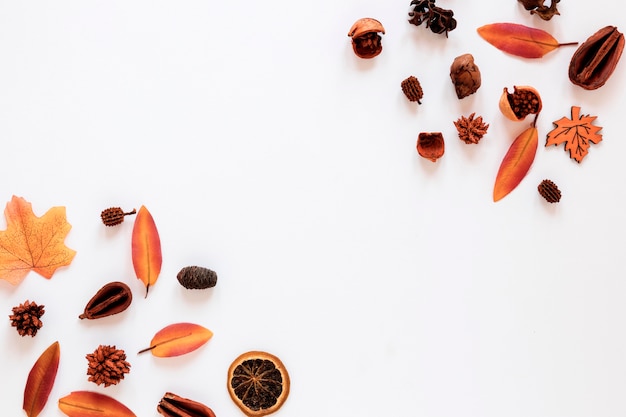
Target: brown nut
[465, 75]
[112, 298]
[366, 41]
[430, 145]
[523, 101]
[172, 405]
[595, 60]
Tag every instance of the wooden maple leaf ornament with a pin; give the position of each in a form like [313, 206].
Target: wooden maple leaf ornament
[33, 243]
[577, 133]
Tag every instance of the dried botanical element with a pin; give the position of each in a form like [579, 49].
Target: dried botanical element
[516, 163]
[258, 383]
[549, 191]
[26, 318]
[197, 277]
[471, 130]
[430, 145]
[114, 216]
[537, 7]
[578, 133]
[465, 75]
[111, 299]
[33, 243]
[92, 404]
[437, 19]
[366, 41]
[524, 100]
[412, 89]
[107, 365]
[520, 40]
[595, 60]
[146, 248]
[178, 339]
[41, 380]
[172, 405]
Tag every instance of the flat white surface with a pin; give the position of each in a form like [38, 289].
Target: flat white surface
[267, 151]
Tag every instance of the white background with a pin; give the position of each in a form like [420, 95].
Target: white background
[267, 151]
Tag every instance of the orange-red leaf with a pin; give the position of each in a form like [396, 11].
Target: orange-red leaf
[41, 380]
[519, 40]
[146, 248]
[516, 163]
[33, 243]
[92, 404]
[178, 339]
[578, 133]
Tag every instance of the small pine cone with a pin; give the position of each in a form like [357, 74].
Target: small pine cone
[197, 277]
[549, 191]
[26, 318]
[471, 130]
[107, 365]
[114, 216]
[412, 89]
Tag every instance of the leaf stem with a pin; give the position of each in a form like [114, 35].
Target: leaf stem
[568, 44]
[146, 349]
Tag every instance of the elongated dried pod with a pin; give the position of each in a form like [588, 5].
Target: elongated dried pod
[197, 277]
[172, 405]
[595, 60]
[111, 299]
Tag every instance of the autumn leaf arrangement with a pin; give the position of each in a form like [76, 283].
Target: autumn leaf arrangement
[590, 67]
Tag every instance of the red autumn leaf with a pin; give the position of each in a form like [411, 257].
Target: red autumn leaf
[178, 339]
[146, 248]
[41, 380]
[92, 404]
[578, 133]
[520, 40]
[33, 243]
[516, 163]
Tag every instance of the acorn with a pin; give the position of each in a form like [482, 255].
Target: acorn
[114, 216]
[524, 100]
[366, 41]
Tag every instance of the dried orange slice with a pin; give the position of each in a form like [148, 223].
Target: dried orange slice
[258, 383]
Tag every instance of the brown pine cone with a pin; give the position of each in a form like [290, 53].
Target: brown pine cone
[107, 365]
[26, 318]
[549, 191]
[471, 130]
[412, 89]
[114, 216]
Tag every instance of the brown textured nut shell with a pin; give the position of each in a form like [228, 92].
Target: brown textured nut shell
[465, 75]
[366, 41]
[365, 25]
[595, 59]
[505, 106]
[430, 145]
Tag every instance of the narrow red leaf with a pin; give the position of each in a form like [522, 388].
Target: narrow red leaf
[41, 380]
[520, 40]
[178, 339]
[92, 404]
[516, 163]
[146, 248]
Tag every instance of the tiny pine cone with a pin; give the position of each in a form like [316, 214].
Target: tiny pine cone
[114, 216]
[26, 318]
[107, 365]
[549, 191]
[412, 89]
[197, 277]
[471, 130]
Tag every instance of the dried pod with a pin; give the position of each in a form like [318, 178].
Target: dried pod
[538, 8]
[430, 145]
[172, 405]
[595, 60]
[412, 89]
[465, 75]
[112, 298]
[197, 277]
[523, 101]
[114, 216]
[366, 41]
[549, 191]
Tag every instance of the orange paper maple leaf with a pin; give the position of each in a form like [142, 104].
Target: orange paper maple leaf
[33, 243]
[578, 133]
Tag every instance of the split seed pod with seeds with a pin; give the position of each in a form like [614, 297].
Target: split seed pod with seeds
[524, 100]
[172, 405]
[366, 41]
[111, 299]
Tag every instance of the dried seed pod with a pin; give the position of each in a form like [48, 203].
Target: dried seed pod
[523, 101]
[465, 75]
[111, 299]
[366, 41]
[172, 405]
[549, 191]
[430, 145]
[114, 216]
[197, 277]
[412, 89]
[595, 60]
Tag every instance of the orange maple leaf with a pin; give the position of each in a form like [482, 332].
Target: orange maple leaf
[578, 133]
[33, 243]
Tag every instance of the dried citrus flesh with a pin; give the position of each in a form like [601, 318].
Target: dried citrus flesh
[258, 383]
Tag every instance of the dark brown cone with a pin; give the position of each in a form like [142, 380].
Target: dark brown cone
[549, 191]
[107, 365]
[114, 216]
[197, 277]
[26, 318]
[412, 89]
